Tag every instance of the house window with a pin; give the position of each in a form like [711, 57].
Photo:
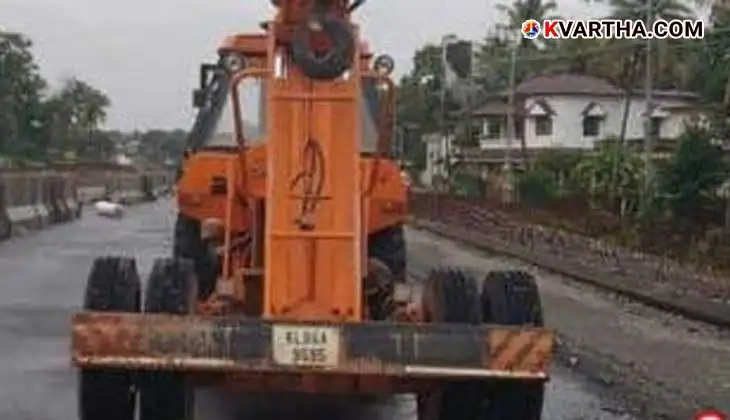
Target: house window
[656, 127]
[591, 126]
[476, 134]
[543, 126]
[494, 128]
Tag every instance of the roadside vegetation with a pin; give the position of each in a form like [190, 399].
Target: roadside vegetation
[39, 123]
[681, 212]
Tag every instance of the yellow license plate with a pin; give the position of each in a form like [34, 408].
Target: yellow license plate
[306, 345]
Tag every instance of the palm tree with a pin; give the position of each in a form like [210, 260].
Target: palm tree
[522, 10]
[636, 10]
[82, 108]
[633, 60]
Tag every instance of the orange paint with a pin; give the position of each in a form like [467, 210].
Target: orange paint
[322, 195]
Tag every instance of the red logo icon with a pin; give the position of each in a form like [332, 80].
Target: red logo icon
[710, 415]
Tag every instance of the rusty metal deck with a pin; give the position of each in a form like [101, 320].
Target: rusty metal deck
[234, 345]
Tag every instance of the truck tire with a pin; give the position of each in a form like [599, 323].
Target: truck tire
[113, 286]
[386, 267]
[389, 246]
[452, 296]
[188, 244]
[507, 298]
[379, 289]
[335, 61]
[171, 289]
[512, 298]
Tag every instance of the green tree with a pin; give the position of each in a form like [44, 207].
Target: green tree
[494, 57]
[419, 101]
[537, 187]
[694, 173]
[21, 87]
[493, 65]
[560, 165]
[711, 66]
[78, 110]
[611, 175]
[158, 146]
[522, 10]
[636, 9]
[630, 57]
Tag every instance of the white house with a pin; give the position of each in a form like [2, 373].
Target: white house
[439, 150]
[574, 111]
[562, 111]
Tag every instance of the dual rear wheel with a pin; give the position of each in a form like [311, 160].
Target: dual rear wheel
[114, 286]
[451, 296]
[505, 298]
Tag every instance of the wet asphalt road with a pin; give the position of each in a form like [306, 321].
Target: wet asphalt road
[42, 277]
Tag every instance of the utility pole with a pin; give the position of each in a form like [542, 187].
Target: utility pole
[508, 166]
[648, 192]
[445, 42]
[444, 129]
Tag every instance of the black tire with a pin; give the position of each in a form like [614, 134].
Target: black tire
[507, 298]
[389, 246]
[336, 60]
[512, 298]
[188, 244]
[452, 296]
[379, 291]
[171, 289]
[386, 267]
[113, 286]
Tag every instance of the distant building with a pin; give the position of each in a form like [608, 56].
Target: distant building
[127, 152]
[437, 156]
[576, 111]
[562, 111]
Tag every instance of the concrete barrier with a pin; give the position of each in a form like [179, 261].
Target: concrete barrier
[5, 225]
[59, 199]
[50, 200]
[90, 194]
[129, 189]
[148, 186]
[20, 205]
[70, 195]
[34, 198]
[37, 181]
[45, 199]
[162, 182]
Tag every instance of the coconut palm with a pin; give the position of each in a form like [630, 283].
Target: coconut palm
[667, 59]
[662, 9]
[522, 10]
[81, 108]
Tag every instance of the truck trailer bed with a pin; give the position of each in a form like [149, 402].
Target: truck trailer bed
[237, 345]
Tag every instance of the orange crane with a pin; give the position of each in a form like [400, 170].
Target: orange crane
[289, 263]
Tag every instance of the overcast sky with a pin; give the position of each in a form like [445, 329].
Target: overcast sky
[145, 53]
